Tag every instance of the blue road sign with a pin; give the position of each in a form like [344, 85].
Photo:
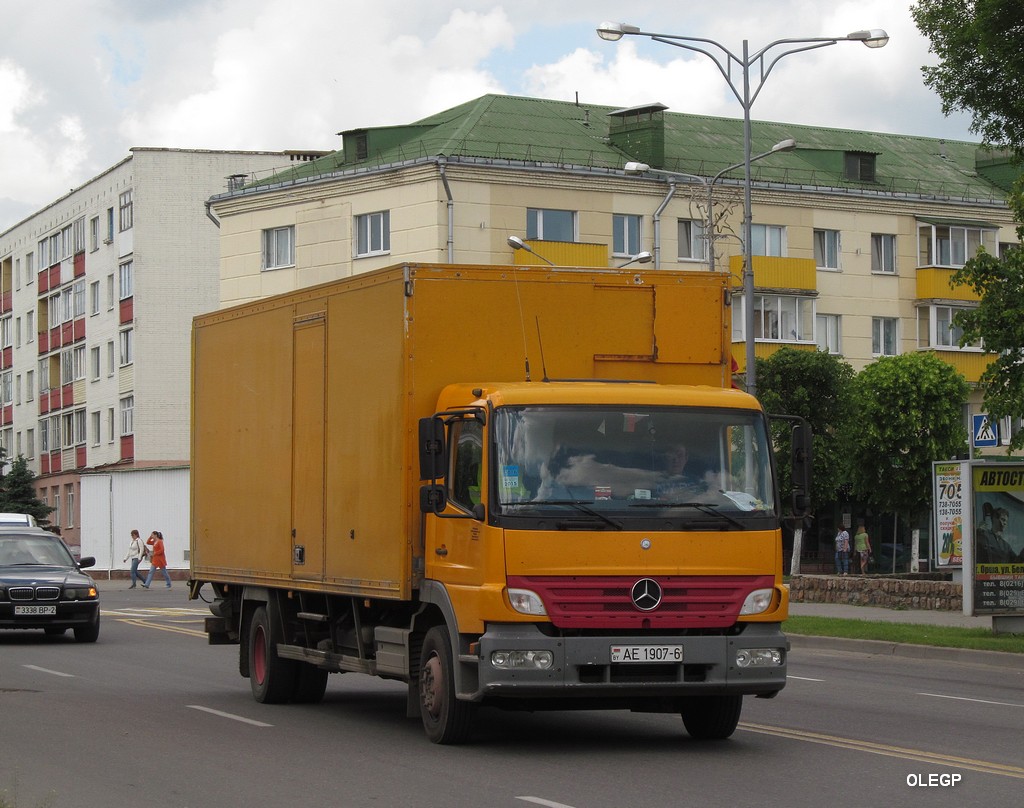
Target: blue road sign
[985, 433]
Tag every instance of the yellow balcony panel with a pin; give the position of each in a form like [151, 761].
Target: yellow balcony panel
[970, 363]
[774, 272]
[562, 254]
[764, 350]
[937, 283]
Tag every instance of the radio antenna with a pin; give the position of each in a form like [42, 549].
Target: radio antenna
[540, 342]
[522, 321]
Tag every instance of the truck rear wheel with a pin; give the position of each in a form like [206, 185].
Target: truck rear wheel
[445, 719]
[712, 718]
[273, 680]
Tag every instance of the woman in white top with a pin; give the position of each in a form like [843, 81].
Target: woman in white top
[136, 552]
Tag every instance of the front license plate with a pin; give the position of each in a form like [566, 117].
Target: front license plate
[29, 611]
[647, 653]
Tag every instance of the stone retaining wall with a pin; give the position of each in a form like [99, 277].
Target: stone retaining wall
[892, 593]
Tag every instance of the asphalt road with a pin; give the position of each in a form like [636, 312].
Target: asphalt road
[151, 715]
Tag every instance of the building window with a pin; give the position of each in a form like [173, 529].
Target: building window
[30, 385]
[30, 443]
[127, 415]
[78, 296]
[30, 326]
[110, 225]
[110, 291]
[827, 333]
[937, 329]
[550, 225]
[95, 418]
[79, 235]
[69, 499]
[7, 387]
[692, 242]
[125, 211]
[94, 233]
[883, 336]
[94, 297]
[883, 253]
[373, 233]
[110, 358]
[127, 275]
[859, 167]
[110, 425]
[943, 245]
[768, 239]
[625, 234]
[778, 318]
[127, 339]
[94, 361]
[279, 247]
[826, 249]
[6, 331]
[69, 429]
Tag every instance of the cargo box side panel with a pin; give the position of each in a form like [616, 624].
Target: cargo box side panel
[241, 445]
[370, 443]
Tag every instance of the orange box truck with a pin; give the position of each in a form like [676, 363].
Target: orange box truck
[527, 487]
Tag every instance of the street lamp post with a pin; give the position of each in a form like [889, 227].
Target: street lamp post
[642, 168]
[727, 61]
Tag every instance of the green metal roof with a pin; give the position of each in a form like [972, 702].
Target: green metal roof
[513, 129]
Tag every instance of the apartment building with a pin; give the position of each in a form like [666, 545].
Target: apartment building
[97, 294]
[856, 234]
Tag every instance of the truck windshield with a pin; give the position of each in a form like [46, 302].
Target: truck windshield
[703, 463]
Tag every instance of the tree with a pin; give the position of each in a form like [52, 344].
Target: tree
[998, 322]
[908, 412]
[816, 386]
[980, 45]
[18, 493]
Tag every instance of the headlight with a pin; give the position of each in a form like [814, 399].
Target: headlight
[759, 658]
[526, 602]
[757, 601]
[80, 593]
[538, 660]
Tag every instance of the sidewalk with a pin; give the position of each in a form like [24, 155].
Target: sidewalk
[929, 617]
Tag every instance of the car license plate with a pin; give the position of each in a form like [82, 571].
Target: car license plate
[29, 611]
[647, 653]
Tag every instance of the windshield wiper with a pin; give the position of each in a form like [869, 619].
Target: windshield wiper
[703, 507]
[580, 505]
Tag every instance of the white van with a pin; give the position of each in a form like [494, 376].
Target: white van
[17, 520]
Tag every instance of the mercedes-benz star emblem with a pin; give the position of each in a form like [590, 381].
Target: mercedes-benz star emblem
[646, 594]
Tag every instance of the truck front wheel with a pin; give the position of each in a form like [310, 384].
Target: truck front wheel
[711, 718]
[445, 719]
[273, 680]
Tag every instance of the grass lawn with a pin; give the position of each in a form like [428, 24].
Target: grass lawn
[978, 639]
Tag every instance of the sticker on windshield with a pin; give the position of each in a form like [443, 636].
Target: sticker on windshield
[744, 501]
[641, 493]
[510, 477]
[602, 492]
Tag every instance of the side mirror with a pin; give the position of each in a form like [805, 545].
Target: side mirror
[432, 499]
[433, 445]
[803, 467]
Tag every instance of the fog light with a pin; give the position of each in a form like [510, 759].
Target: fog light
[507, 660]
[759, 658]
[757, 601]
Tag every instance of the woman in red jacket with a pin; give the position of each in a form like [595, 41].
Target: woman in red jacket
[158, 559]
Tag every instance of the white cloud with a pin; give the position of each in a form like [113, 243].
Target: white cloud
[260, 74]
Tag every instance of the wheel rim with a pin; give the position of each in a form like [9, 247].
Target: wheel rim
[431, 687]
[259, 655]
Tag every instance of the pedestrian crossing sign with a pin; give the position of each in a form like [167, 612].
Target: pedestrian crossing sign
[985, 434]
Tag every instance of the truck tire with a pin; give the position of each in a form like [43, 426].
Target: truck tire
[310, 684]
[712, 718]
[445, 719]
[273, 680]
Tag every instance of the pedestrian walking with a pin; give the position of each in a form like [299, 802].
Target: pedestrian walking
[842, 552]
[158, 559]
[862, 546]
[137, 553]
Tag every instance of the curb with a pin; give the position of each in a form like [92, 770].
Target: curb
[996, 659]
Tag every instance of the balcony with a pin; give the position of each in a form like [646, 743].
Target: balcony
[774, 272]
[562, 254]
[936, 283]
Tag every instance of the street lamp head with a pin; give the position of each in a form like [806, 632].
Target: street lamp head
[516, 243]
[874, 38]
[784, 145]
[633, 167]
[643, 257]
[614, 31]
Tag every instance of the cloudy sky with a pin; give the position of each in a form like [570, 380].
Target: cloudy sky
[82, 81]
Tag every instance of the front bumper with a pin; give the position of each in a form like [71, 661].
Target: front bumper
[69, 614]
[582, 668]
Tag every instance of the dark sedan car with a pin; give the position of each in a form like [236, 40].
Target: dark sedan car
[43, 587]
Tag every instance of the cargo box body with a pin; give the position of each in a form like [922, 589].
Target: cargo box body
[306, 405]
